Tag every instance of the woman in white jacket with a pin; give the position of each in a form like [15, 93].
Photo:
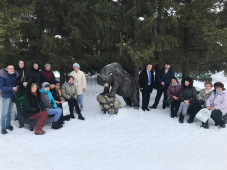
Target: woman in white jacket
[79, 82]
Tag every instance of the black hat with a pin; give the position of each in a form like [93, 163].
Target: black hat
[52, 82]
[219, 84]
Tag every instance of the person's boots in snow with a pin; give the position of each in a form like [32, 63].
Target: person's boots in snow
[172, 112]
[72, 116]
[56, 125]
[181, 118]
[205, 125]
[80, 117]
[175, 113]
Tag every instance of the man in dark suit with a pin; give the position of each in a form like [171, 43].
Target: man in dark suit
[146, 83]
[163, 80]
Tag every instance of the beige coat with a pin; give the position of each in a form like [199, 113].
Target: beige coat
[79, 81]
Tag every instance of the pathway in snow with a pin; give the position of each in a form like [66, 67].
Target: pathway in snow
[131, 140]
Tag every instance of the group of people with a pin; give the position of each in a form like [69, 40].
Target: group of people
[183, 98]
[43, 95]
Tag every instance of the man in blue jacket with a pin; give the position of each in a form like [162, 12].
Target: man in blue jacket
[163, 80]
[8, 78]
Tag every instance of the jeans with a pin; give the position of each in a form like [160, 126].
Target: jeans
[183, 108]
[80, 99]
[56, 112]
[7, 109]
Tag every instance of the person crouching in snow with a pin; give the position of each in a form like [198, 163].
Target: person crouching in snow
[48, 104]
[31, 109]
[217, 103]
[187, 96]
[69, 92]
[173, 93]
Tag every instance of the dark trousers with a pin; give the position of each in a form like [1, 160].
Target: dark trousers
[73, 103]
[175, 104]
[146, 96]
[193, 109]
[216, 115]
[62, 118]
[160, 90]
[41, 116]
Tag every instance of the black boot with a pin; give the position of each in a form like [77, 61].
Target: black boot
[72, 116]
[175, 113]
[67, 118]
[181, 118]
[81, 117]
[205, 125]
[153, 107]
[4, 132]
[172, 113]
[56, 125]
[190, 120]
[9, 127]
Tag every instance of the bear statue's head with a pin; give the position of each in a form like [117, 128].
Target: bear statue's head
[107, 73]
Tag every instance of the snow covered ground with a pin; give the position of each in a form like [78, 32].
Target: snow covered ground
[131, 140]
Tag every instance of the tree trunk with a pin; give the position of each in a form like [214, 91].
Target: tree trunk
[62, 75]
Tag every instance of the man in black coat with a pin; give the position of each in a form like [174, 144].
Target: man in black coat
[163, 80]
[146, 83]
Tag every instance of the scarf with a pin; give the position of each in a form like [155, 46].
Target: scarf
[51, 99]
[34, 94]
[217, 93]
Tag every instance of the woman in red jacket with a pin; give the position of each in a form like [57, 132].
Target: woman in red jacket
[47, 73]
[173, 93]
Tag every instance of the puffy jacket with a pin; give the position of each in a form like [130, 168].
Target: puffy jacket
[219, 102]
[47, 100]
[68, 91]
[79, 81]
[173, 90]
[7, 82]
[188, 92]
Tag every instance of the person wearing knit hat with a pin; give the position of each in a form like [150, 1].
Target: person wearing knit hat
[48, 104]
[47, 73]
[79, 82]
[217, 103]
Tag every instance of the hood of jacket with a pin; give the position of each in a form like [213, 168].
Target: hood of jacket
[5, 74]
[32, 68]
[178, 84]
[189, 79]
[16, 65]
[72, 84]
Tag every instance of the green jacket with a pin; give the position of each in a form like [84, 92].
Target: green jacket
[68, 91]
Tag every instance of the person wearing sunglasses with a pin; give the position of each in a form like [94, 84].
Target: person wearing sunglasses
[8, 80]
[217, 103]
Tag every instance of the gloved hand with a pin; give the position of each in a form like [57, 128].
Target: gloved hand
[71, 98]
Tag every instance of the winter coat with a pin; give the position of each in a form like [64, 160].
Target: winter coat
[7, 82]
[47, 100]
[24, 75]
[219, 102]
[79, 81]
[143, 79]
[48, 75]
[188, 92]
[203, 96]
[36, 75]
[68, 91]
[31, 103]
[164, 77]
[173, 90]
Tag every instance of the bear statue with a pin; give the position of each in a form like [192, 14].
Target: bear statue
[121, 83]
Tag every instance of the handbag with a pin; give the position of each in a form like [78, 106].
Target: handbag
[203, 115]
[65, 108]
